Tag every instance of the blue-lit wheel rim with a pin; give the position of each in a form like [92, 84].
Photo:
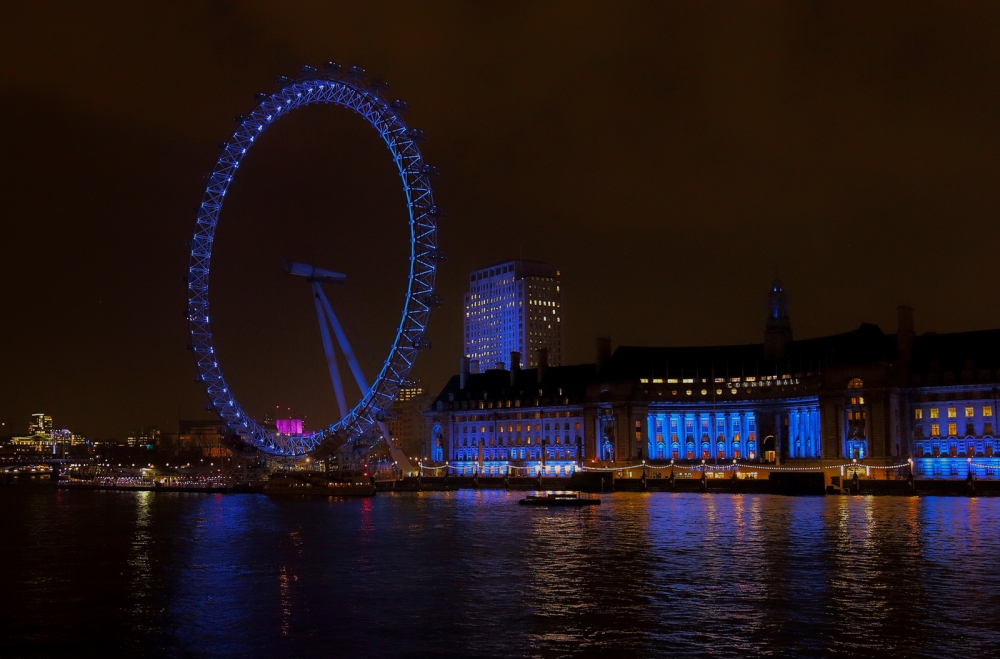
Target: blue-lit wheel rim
[400, 140]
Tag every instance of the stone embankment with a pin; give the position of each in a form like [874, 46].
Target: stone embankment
[806, 483]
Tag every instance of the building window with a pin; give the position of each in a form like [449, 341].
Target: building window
[856, 383]
[935, 430]
[952, 429]
[918, 414]
[987, 410]
[970, 412]
[952, 412]
[934, 412]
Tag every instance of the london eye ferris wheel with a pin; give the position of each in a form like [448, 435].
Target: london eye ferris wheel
[352, 90]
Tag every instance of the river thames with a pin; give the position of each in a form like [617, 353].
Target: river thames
[472, 574]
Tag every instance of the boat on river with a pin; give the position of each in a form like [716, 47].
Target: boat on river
[316, 486]
[559, 498]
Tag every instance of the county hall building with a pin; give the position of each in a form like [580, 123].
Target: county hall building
[865, 398]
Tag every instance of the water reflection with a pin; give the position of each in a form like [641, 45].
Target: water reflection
[472, 573]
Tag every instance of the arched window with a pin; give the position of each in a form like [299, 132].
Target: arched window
[856, 383]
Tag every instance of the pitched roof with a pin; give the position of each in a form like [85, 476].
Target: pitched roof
[495, 384]
[865, 345]
[956, 351]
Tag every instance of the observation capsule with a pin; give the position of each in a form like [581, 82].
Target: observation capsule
[332, 67]
[308, 70]
[356, 72]
[432, 299]
[378, 85]
[284, 80]
[429, 170]
[399, 106]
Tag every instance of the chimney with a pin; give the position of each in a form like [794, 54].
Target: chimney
[464, 372]
[543, 363]
[905, 336]
[515, 366]
[603, 351]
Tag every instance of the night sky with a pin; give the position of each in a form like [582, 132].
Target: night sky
[668, 156]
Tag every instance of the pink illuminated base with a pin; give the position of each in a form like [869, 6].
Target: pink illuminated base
[289, 426]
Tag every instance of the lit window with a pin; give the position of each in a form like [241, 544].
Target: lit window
[952, 429]
[987, 410]
[935, 430]
[657, 380]
[934, 412]
[970, 412]
[644, 380]
[918, 414]
[952, 412]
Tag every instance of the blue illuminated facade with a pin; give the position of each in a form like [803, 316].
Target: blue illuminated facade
[861, 402]
[517, 422]
[727, 431]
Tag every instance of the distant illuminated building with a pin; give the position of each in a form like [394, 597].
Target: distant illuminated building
[41, 424]
[289, 426]
[203, 437]
[406, 423]
[513, 306]
[147, 438]
[42, 438]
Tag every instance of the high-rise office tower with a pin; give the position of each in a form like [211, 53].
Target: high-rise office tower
[41, 424]
[513, 306]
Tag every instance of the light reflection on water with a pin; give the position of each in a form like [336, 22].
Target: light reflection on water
[473, 574]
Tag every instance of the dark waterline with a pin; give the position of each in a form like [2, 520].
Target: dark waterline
[473, 574]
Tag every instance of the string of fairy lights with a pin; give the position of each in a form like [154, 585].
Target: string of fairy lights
[708, 467]
[740, 465]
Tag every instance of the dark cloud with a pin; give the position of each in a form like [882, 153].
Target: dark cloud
[668, 156]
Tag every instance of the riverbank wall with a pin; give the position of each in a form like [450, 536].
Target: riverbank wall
[806, 483]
